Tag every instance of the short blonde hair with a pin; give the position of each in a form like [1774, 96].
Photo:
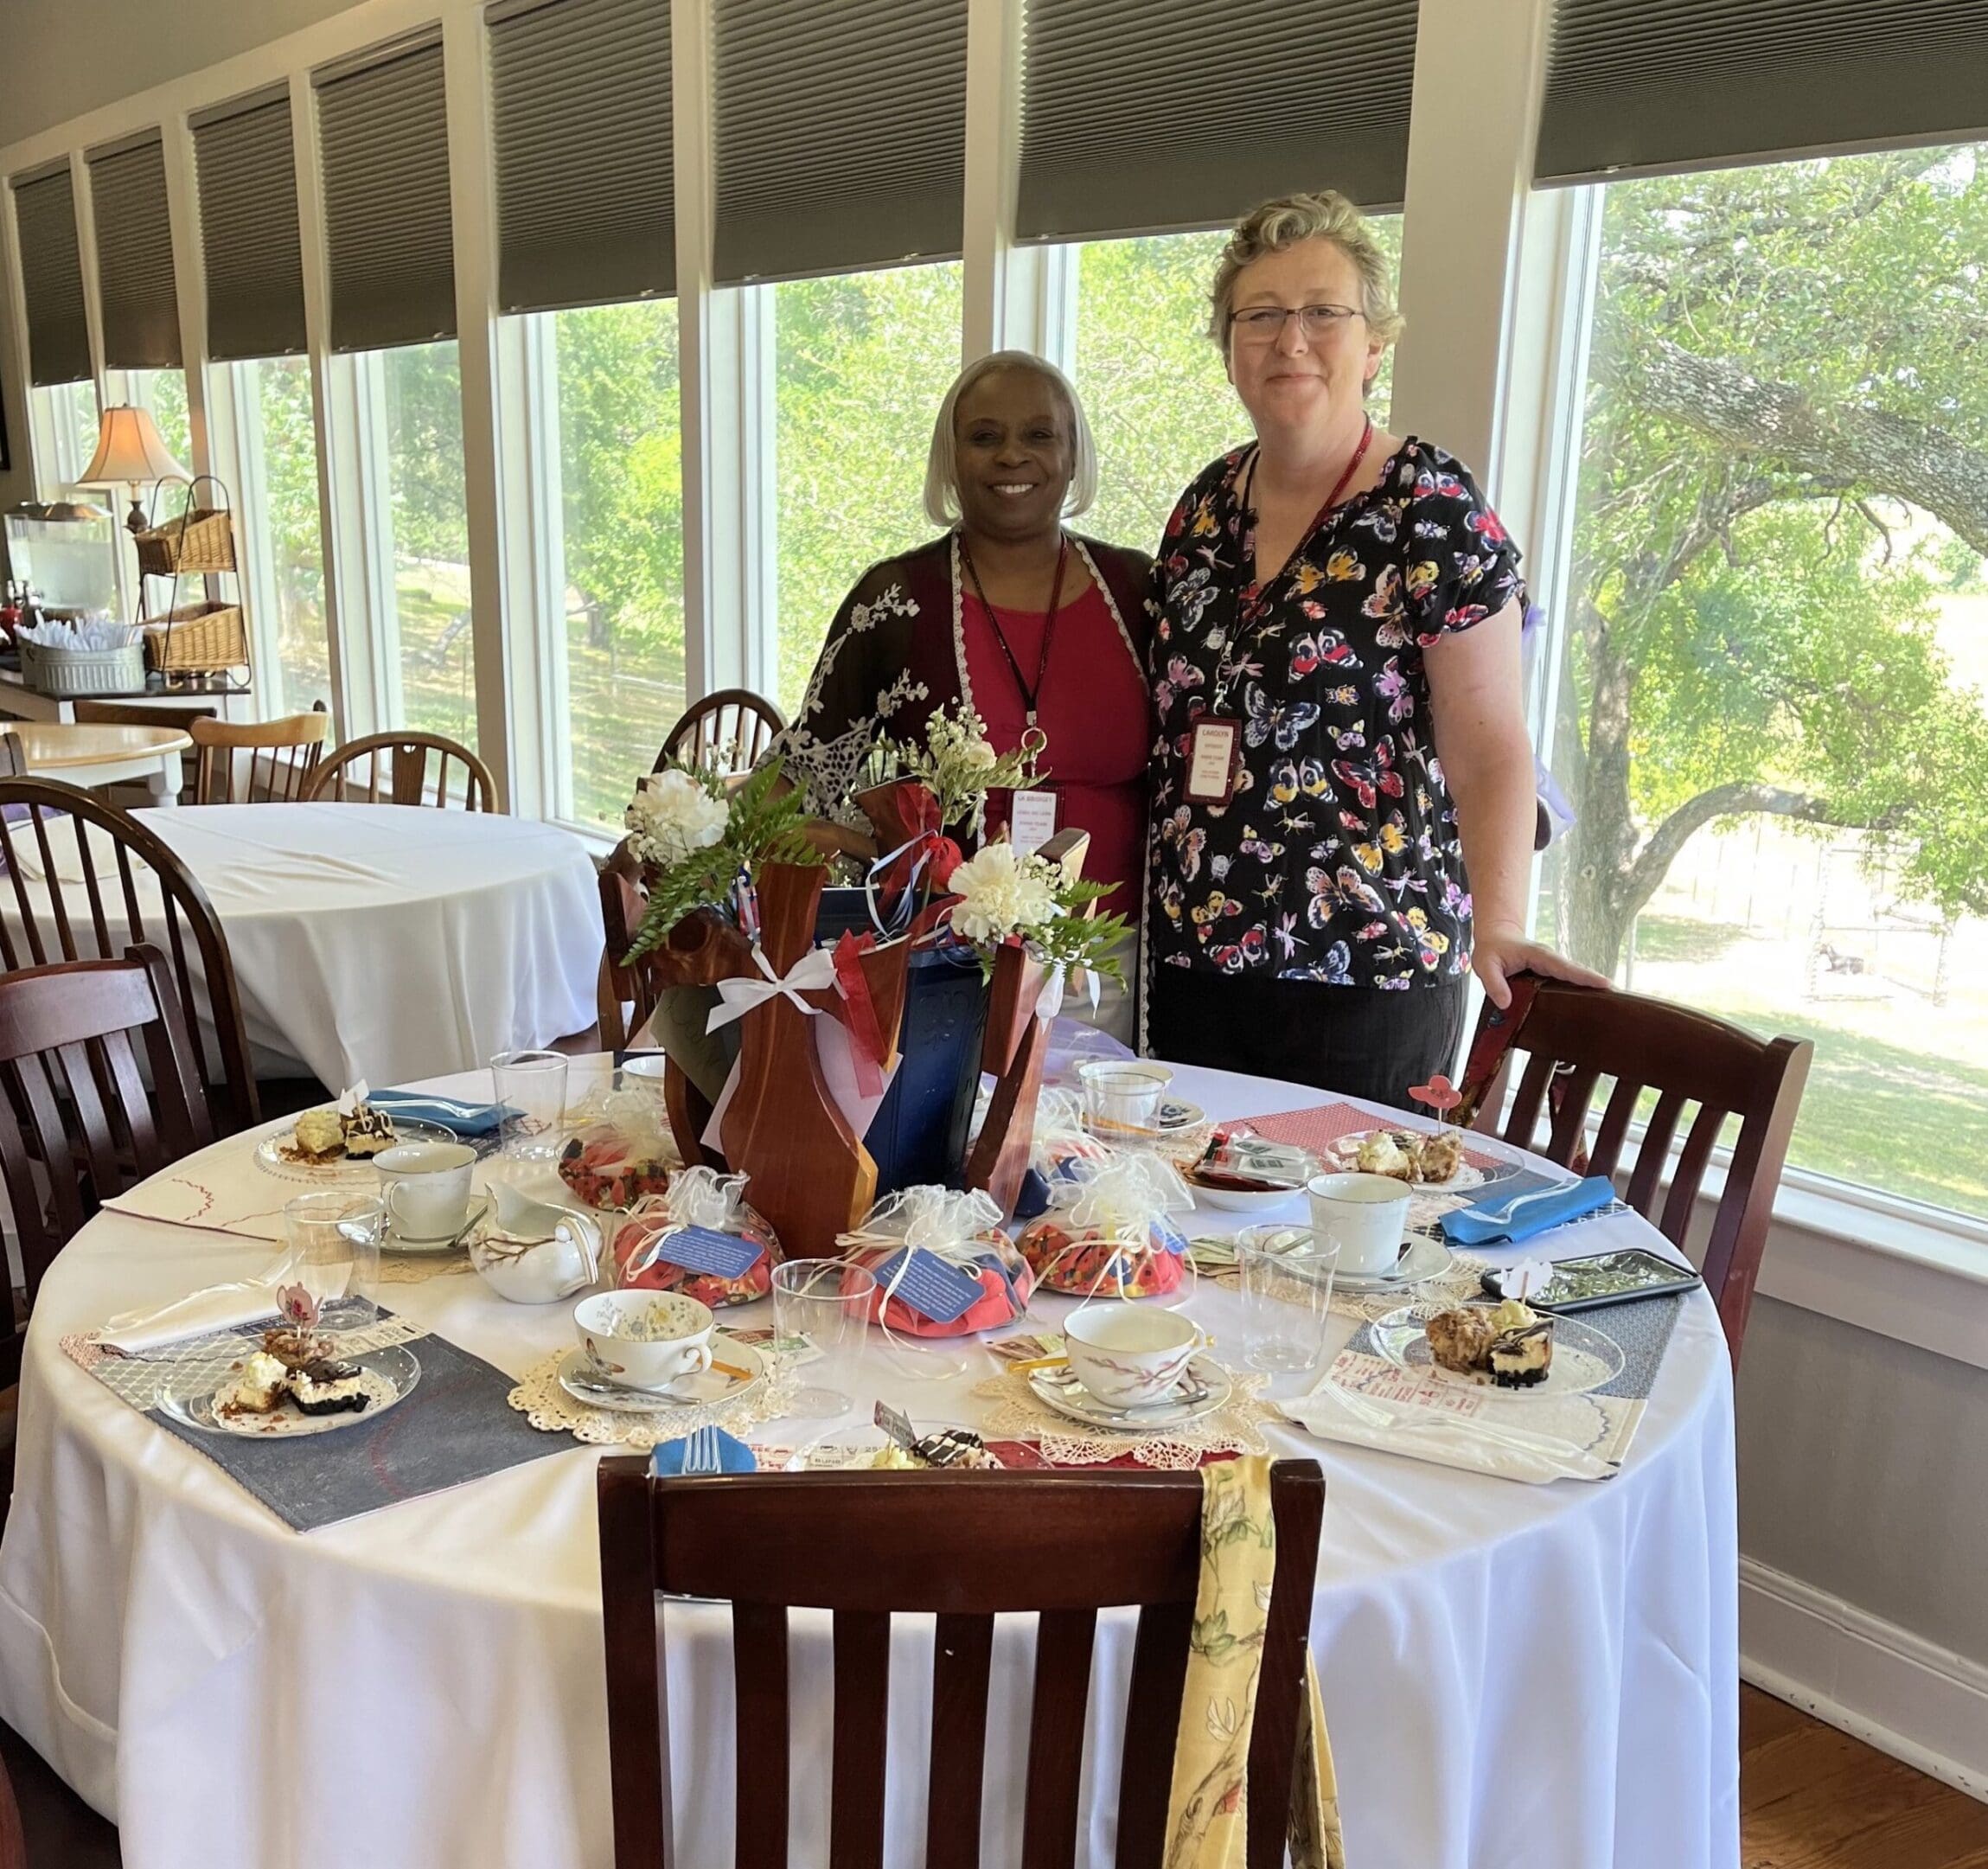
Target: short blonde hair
[1277, 225]
[942, 466]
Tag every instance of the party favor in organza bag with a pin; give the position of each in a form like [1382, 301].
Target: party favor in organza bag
[699, 1236]
[944, 1267]
[1109, 1233]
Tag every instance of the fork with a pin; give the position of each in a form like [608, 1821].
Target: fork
[1503, 1218]
[701, 1453]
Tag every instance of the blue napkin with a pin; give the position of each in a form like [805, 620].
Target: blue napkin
[1506, 1217]
[707, 1450]
[461, 1118]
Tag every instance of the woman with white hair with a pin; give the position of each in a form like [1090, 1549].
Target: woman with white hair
[1032, 625]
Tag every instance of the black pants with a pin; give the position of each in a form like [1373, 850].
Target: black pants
[1359, 1042]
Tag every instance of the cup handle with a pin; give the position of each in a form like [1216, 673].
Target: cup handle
[696, 1359]
[392, 1212]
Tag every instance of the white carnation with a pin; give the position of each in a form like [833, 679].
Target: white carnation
[1001, 893]
[672, 817]
[977, 754]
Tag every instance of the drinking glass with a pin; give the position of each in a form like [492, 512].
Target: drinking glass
[825, 1301]
[334, 1239]
[1287, 1275]
[531, 1088]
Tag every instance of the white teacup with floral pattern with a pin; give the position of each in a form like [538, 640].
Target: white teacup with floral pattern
[1128, 1355]
[644, 1340]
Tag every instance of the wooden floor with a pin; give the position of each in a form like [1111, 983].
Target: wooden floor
[1814, 1798]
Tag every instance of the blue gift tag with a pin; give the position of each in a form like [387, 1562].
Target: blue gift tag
[704, 1249]
[936, 1290]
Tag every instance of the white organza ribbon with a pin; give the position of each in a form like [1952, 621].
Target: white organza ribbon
[951, 1223]
[1049, 1002]
[815, 972]
[699, 1196]
[1122, 1201]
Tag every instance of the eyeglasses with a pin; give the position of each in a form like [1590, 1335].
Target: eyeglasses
[1264, 324]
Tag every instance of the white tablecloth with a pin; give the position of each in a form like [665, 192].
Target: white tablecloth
[1544, 1675]
[391, 942]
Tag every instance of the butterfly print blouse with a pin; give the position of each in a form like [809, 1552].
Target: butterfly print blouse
[1337, 858]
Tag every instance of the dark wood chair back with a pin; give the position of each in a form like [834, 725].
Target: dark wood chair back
[726, 732]
[281, 757]
[13, 756]
[392, 769]
[98, 910]
[1574, 1037]
[13, 1842]
[76, 1124]
[627, 995]
[963, 1547]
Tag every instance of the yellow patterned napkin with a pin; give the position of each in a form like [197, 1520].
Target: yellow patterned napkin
[1206, 1816]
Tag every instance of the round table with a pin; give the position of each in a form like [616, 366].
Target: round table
[388, 942]
[93, 755]
[1545, 1674]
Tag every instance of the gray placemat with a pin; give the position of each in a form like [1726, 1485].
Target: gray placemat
[457, 1425]
[1641, 1330]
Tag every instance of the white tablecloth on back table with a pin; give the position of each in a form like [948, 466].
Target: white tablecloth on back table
[391, 942]
[1545, 1676]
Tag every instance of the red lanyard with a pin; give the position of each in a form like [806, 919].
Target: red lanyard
[1029, 695]
[1333, 498]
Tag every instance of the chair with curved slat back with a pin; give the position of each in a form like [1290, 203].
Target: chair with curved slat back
[966, 1547]
[727, 732]
[622, 902]
[100, 909]
[76, 1122]
[406, 780]
[269, 778]
[1576, 1036]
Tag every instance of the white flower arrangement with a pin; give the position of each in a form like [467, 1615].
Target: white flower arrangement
[1002, 893]
[960, 766]
[673, 817]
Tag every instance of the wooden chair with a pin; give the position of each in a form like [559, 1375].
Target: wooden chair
[965, 1547]
[13, 1842]
[76, 1124]
[268, 777]
[1575, 1036]
[99, 915]
[727, 731]
[622, 902]
[406, 780]
[13, 756]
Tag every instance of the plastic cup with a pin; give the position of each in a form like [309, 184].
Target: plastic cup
[334, 1239]
[1286, 1299]
[532, 1086]
[825, 1303]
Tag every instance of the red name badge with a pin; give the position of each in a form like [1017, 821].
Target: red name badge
[1212, 762]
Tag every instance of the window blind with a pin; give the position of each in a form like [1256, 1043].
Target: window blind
[1143, 115]
[1669, 85]
[841, 135]
[52, 280]
[384, 136]
[581, 122]
[248, 170]
[135, 258]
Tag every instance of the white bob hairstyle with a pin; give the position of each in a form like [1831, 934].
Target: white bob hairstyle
[942, 467]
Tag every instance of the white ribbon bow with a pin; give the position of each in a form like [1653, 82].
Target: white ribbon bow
[815, 972]
[1049, 1002]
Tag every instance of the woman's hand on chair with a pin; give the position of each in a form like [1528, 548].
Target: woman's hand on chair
[1502, 950]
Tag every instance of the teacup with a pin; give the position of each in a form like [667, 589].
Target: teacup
[644, 1340]
[1128, 1355]
[1123, 1093]
[1364, 1215]
[425, 1189]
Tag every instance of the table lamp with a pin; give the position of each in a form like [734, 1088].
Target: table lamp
[129, 449]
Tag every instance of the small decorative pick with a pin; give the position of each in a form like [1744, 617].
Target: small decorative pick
[1439, 1093]
[1522, 1280]
[297, 1305]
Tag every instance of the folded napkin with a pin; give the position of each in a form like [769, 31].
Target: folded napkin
[464, 1119]
[708, 1450]
[198, 1315]
[1506, 1217]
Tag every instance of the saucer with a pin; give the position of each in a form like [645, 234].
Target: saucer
[1424, 1258]
[706, 1389]
[483, 1204]
[1210, 1389]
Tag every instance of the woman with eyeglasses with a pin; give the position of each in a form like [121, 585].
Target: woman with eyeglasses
[1343, 805]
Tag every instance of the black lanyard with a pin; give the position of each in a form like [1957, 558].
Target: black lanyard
[1029, 694]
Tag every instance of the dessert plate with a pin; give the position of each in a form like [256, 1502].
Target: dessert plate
[276, 1154]
[707, 1389]
[1583, 1358]
[388, 1376]
[1244, 1199]
[1204, 1388]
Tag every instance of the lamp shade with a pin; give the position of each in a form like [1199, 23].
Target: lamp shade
[129, 449]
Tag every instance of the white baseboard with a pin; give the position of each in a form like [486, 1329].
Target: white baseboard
[1920, 1703]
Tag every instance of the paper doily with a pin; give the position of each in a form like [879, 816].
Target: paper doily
[1234, 1428]
[417, 1268]
[542, 1402]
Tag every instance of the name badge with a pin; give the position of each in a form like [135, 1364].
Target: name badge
[1032, 820]
[1212, 762]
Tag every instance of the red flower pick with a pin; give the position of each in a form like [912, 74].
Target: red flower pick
[1439, 1093]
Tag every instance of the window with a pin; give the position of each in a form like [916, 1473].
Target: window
[164, 393]
[64, 417]
[1769, 717]
[428, 637]
[1153, 384]
[863, 361]
[620, 501]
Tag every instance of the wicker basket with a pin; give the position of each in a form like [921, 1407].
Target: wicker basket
[197, 638]
[77, 674]
[201, 539]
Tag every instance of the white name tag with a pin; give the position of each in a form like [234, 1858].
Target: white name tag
[1032, 820]
[1212, 762]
